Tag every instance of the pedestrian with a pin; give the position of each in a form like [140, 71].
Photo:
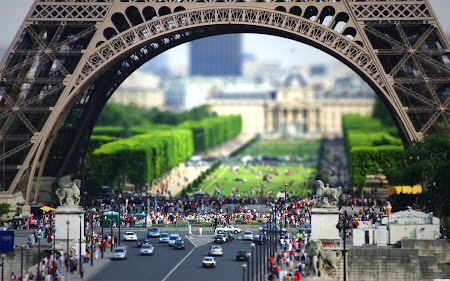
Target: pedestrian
[115, 241]
[200, 231]
[81, 271]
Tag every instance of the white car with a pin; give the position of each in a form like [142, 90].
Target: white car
[130, 236]
[164, 238]
[173, 238]
[119, 253]
[227, 228]
[208, 262]
[248, 235]
[215, 251]
[147, 249]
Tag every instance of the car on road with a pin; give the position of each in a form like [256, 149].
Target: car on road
[130, 236]
[179, 244]
[147, 249]
[164, 238]
[219, 238]
[120, 253]
[172, 238]
[227, 228]
[215, 251]
[208, 262]
[306, 228]
[228, 237]
[142, 241]
[242, 256]
[248, 235]
[153, 233]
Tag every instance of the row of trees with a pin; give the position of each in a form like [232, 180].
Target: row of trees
[153, 150]
[142, 158]
[371, 148]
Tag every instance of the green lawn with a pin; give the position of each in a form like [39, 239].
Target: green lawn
[292, 148]
[225, 178]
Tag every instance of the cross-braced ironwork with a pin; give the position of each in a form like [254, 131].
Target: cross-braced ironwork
[70, 56]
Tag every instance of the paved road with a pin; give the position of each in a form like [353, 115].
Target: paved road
[176, 265]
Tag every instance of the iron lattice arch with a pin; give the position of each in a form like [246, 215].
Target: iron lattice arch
[70, 56]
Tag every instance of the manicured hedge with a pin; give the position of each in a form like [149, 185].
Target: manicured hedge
[370, 147]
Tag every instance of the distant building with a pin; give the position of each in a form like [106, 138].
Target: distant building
[293, 109]
[216, 56]
[143, 89]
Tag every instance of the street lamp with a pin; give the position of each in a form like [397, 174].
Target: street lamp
[54, 252]
[79, 250]
[248, 256]
[92, 236]
[262, 237]
[343, 224]
[244, 266]
[252, 245]
[21, 260]
[101, 222]
[3, 256]
[39, 259]
[68, 256]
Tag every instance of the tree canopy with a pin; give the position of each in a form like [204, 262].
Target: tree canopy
[428, 163]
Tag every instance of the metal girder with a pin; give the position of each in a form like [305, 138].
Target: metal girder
[65, 47]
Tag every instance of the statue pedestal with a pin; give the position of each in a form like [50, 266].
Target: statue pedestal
[323, 226]
[71, 231]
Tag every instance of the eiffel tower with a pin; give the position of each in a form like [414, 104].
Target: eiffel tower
[69, 57]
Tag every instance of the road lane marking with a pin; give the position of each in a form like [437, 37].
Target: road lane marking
[176, 266]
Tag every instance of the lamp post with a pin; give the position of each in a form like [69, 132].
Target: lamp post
[249, 256]
[101, 222]
[21, 261]
[252, 245]
[39, 259]
[262, 237]
[79, 250]
[3, 256]
[92, 236]
[118, 207]
[343, 224]
[54, 252]
[112, 236]
[257, 260]
[68, 255]
[244, 266]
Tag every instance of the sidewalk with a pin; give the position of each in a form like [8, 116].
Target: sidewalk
[89, 270]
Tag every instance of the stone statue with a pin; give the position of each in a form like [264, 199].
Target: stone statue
[69, 195]
[325, 192]
[317, 258]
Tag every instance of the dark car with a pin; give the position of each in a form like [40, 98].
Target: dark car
[178, 245]
[228, 237]
[242, 256]
[153, 233]
[219, 238]
[142, 241]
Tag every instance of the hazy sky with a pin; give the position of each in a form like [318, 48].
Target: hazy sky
[263, 47]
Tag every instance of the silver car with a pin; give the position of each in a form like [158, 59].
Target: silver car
[173, 238]
[147, 249]
[119, 253]
[215, 251]
[164, 238]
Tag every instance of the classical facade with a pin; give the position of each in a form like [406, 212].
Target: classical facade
[294, 109]
[141, 88]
